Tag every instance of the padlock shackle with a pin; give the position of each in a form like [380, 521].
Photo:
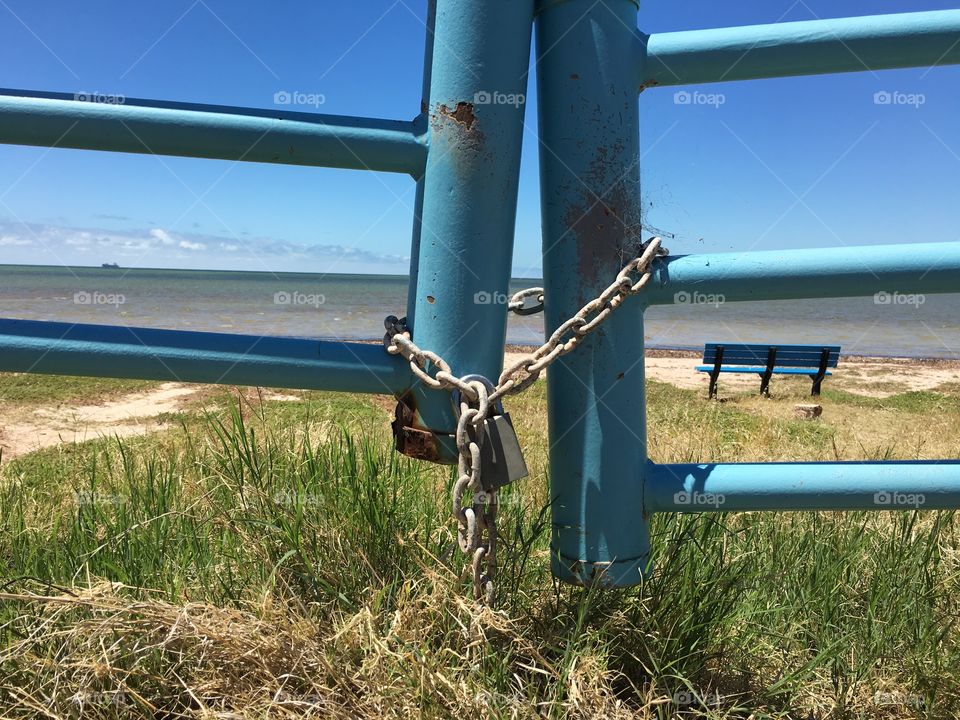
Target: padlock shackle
[456, 395]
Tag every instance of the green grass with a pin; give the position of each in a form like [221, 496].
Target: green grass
[32, 390]
[280, 560]
[912, 402]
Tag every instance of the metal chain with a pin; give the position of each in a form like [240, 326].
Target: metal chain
[519, 303]
[477, 523]
[525, 371]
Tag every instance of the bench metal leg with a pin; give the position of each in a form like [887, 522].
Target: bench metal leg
[768, 373]
[821, 373]
[715, 374]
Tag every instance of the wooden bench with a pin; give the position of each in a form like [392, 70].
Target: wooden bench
[769, 360]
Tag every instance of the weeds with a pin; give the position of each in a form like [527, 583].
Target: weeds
[280, 560]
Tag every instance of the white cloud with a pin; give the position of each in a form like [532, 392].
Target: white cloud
[163, 236]
[156, 247]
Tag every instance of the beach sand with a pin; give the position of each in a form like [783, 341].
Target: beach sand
[25, 430]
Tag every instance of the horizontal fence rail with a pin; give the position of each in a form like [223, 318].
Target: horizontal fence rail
[729, 487]
[210, 131]
[879, 42]
[53, 348]
[850, 271]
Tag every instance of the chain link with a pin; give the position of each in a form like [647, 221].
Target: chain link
[520, 304]
[476, 524]
[525, 371]
[477, 521]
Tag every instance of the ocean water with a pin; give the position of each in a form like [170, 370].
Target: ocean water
[353, 307]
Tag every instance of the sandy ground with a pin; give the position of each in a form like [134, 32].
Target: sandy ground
[877, 377]
[127, 416]
[139, 413]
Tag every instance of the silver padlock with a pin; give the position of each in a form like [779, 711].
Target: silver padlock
[500, 455]
[501, 459]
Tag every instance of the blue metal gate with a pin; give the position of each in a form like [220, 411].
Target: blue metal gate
[464, 155]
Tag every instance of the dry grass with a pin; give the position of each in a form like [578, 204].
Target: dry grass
[278, 560]
[106, 652]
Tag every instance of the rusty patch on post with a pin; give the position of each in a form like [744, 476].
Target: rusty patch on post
[598, 572]
[606, 225]
[418, 444]
[576, 569]
[588, 574]
[410, 440]
[459, 125]
[464, 114]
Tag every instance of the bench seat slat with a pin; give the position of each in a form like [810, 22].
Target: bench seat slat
[784, 362]
[780, 353]
[760, 349]
[760, 370]
[732, 359]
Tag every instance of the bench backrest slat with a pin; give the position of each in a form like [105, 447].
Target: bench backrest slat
[787, 355]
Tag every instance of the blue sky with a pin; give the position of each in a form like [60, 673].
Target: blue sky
[798, 162]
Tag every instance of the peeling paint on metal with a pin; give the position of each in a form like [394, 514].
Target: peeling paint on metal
[464, 114]
[462, 120]
[607, 226]
[410, 440]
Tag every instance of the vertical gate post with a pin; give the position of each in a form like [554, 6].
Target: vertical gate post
[480, 58]
[590, 186]
[421, 123]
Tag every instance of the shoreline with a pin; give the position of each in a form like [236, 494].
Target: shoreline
[26, 426]
[661, 351]
[688, 353]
